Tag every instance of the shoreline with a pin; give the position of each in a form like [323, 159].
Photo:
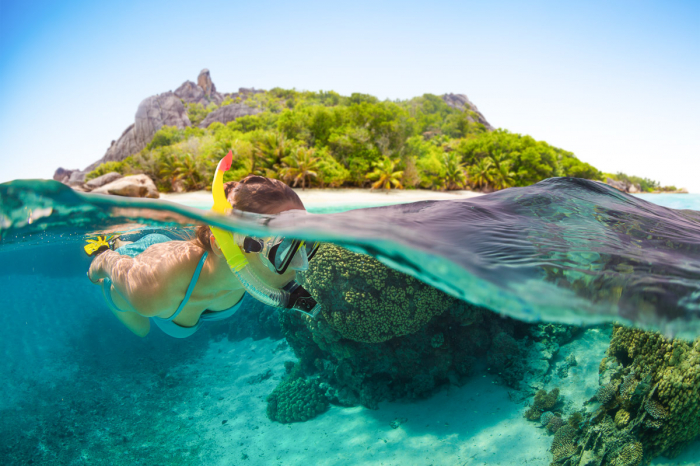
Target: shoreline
[317, 197]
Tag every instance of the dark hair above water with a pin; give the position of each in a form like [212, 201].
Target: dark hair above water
[255, 194]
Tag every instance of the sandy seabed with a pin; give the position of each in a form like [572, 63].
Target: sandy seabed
[479, 423]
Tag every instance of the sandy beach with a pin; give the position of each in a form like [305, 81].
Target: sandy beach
[322, 198]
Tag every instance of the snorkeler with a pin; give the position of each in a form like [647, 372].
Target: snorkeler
[180, 284]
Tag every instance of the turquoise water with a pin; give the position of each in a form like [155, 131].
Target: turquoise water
[674, 201]
[80, 389]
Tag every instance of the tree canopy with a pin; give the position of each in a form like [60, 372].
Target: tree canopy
[326, 139]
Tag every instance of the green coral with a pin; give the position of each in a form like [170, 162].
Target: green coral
[650, 401]
[622, 418]
[543, 402]
[671, 407]
[296, 400]
[630, 455]
[366, 301]
[563, 443]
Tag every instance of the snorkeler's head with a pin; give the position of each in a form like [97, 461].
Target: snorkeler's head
[262, 195]
[258, 195]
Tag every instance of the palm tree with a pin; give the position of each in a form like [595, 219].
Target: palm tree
[502, 176]
[455, 176]
[269, 150]
[166, 170]
[481, 173]
[384, 175]
[186, 170]
[301, 165]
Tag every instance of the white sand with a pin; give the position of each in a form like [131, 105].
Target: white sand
[339, 197]
[476, 424]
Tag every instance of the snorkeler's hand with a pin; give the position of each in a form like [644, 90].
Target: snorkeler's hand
[96, 272]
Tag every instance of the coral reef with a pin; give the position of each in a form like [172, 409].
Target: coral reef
[546, 417]
[366, 301]
[555, 424]
[606, 393]
[296, 399]
[543, 401]
[383, 335]
[649, 403]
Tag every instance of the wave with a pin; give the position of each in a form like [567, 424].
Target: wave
[564, 250]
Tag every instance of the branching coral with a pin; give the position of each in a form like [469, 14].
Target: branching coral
[367, 301]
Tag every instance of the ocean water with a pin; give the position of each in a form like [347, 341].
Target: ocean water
[564, 258]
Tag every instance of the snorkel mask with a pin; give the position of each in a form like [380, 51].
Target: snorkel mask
[292, 296]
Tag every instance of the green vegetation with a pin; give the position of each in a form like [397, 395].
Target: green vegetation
[323, 139]
[645, 184]
[105, 168]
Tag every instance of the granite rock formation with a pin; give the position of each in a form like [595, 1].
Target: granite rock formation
[130, 186]
[203, 92]
[461, 102]
[228, 113]
[103, 180]
[152, 114]
[623, 186]
[159, 110]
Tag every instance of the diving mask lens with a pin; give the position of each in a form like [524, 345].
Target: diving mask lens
[280, 253]
[283, 255]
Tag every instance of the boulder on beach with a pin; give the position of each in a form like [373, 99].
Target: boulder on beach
[130, 186]
[103, 180]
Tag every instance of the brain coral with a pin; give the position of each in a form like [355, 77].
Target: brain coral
[366, 301]
[296, 400]
[674, 397]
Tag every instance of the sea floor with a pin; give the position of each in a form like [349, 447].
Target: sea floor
[479, 423]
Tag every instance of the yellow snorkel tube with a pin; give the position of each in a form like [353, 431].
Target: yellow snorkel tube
[292, 296]
[233, 254]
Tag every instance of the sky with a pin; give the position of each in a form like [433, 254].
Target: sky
[615, 82]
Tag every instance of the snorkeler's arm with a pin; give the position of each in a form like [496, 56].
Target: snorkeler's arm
[139, 283]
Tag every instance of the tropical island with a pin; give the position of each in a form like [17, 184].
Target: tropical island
[323, 139]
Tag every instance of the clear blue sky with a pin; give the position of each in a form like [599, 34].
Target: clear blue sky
[615, 82]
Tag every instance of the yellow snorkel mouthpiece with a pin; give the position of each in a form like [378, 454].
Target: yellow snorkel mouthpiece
[233, 254]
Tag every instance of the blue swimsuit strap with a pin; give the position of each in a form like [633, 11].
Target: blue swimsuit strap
[190, 288]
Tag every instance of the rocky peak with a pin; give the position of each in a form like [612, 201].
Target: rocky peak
[203, 93]
[204, 81]
[462, 102]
